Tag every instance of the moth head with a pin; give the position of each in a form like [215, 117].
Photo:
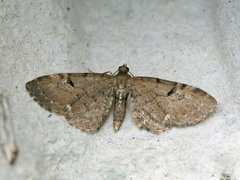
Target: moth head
[123, 69]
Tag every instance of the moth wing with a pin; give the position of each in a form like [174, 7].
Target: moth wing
[158, 104]
[85, 99]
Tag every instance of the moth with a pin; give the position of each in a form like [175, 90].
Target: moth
[86, 100]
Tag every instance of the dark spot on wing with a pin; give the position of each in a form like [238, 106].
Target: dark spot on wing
[158, 80]
[172, 91]
[70, 82]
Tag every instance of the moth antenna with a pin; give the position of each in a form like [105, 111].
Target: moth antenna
[115, 72]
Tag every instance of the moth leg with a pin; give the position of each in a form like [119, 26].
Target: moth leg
[108, 72]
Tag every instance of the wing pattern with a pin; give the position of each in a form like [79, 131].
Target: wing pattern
[158, 104]
[84, 99]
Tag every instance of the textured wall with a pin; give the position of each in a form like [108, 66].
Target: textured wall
[194, 42]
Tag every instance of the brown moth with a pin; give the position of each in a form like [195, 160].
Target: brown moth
[86, 99]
